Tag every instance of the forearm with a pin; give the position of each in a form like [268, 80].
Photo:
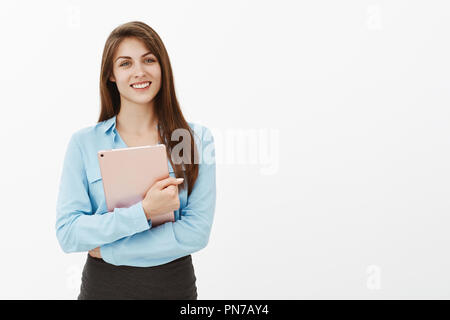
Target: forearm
[161, 244]
[77, 232]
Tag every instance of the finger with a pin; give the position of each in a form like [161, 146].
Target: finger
[171, 180]
[172, 190]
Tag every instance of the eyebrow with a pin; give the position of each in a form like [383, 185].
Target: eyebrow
[126, 57]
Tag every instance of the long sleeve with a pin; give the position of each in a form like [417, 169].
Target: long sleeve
[172, 240]
[77, 227]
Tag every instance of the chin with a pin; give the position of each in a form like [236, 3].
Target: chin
[139, 98]
[142, 101]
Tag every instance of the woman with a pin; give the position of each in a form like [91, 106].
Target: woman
[128, 258]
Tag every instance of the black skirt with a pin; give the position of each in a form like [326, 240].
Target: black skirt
[103, 281]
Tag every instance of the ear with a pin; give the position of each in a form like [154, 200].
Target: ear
[112, 79]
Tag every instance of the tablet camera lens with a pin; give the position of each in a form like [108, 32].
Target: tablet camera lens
[101, 155]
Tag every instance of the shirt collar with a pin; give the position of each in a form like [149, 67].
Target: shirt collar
[110, 123]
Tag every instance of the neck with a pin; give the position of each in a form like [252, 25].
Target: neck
[136, 119]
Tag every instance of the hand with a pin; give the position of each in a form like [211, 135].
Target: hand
[95, 253]
[162, 197]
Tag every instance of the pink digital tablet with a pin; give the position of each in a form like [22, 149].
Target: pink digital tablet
[128, 173]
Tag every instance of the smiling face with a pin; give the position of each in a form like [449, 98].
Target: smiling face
[134, 67]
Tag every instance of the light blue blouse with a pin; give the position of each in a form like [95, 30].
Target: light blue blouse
[124, 235]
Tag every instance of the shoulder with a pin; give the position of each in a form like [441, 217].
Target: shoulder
[89, 133]
[90, 139]
[86, 142]
[205, 141]
[201, 132]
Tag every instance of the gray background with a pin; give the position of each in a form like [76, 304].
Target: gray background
[343, 193]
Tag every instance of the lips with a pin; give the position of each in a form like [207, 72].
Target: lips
[139, 83]
[141, 86]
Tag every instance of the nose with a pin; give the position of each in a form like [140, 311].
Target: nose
[139, 70]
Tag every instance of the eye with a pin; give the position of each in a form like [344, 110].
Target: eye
[123, 64]
[149, 59]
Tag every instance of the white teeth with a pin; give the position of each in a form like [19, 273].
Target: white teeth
[140, 86]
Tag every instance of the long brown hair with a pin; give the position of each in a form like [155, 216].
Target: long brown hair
[167, 108]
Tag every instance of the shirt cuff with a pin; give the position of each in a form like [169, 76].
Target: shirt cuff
[107, 254]
[139, 218]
